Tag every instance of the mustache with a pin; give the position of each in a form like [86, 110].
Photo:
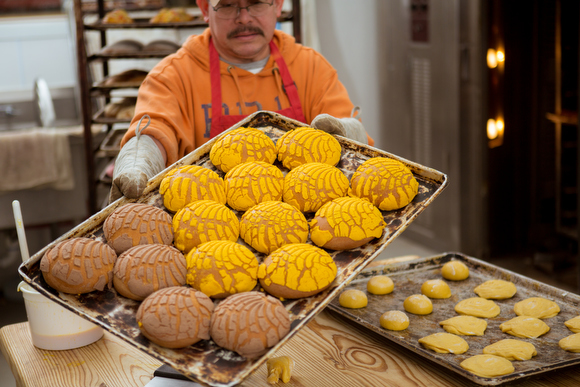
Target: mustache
[239, 30]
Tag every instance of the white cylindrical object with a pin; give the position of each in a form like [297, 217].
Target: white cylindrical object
[54, 327]
[20, 230]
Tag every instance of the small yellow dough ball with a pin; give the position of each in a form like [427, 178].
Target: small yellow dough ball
[455, 271]
[394, 320]
[436, 289]
[418, 304]
[380, 284]
[353, 299]
[573, 324]
[570, 343]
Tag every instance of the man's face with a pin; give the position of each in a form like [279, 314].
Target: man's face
[244, 38]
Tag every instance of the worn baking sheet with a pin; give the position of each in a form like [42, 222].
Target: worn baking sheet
[205, 362]
[408, 278]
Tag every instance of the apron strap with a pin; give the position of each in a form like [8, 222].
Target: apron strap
[288, 84]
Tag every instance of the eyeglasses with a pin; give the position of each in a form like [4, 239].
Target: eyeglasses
[233, 11]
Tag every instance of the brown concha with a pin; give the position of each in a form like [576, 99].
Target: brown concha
[78, 265]
[175, 317]
[137, 224]
[249, 323]
[144, 269]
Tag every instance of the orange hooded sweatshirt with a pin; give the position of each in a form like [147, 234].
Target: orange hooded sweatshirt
[177, 93]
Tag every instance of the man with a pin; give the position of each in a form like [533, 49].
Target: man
[239, 65]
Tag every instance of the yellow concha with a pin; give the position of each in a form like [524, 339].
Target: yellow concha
[242, 145]
[221, 268]
[189, 183]
[309, 186]
[386, 183]
[307, 145]
[203, 221]
[252, 183]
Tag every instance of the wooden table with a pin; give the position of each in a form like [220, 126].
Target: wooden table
[329, 351]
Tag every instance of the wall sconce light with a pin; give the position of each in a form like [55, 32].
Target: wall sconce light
[495, 129]
[491, 58]
[494, 57]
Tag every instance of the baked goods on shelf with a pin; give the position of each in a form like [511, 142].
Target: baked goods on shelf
[161, 45]
[297, 270]
[385, 182]
[117, 16]
[222, 268]
[124, 46]
[309, 186]
[144, 269]
[251, 183]
[242, 145]
[346, 223]
[122, 110]
[270, 225]
[189, 183]
[307, 145]
[171, 15]
[128, 78]
[137, 224]
[175, 317]
[78, 265]
[249, 323]
[204, 221]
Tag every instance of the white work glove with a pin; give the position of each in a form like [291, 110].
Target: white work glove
[139, 160]
[347, 127]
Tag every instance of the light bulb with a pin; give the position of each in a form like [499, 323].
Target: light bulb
[491, 58]
[491, 129]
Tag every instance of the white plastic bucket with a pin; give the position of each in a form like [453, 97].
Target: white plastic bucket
[54, 327]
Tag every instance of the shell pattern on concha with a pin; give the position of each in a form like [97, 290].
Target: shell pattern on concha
[242, 145]
[79, 265]
[137, 224]
[253, 182]
[270, 225]
[309, 186]
[386, 183]
[249, 323]
[222, 268]
[144, 269]
[307, 145]
[175, 317]
[204, 221]
[189, 183]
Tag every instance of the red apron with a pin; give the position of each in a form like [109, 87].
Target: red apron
[220, 122]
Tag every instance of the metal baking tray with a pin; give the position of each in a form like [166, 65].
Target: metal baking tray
[205, 362]
[408, 278]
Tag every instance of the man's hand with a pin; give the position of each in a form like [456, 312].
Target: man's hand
[346, 127]
[139, 160]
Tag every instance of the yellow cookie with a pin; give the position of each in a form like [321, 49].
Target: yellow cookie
[570, 343]
[478, 307]
[418, 304]
[394, 320]
[353, 299]
[496, 289]
[380, 284]
[487, 366]
[573, 324]
[436, 289]
[455, 271]
[511, 349]
[445, 343]
[465, 325]
[537, 307]
[524, 326]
